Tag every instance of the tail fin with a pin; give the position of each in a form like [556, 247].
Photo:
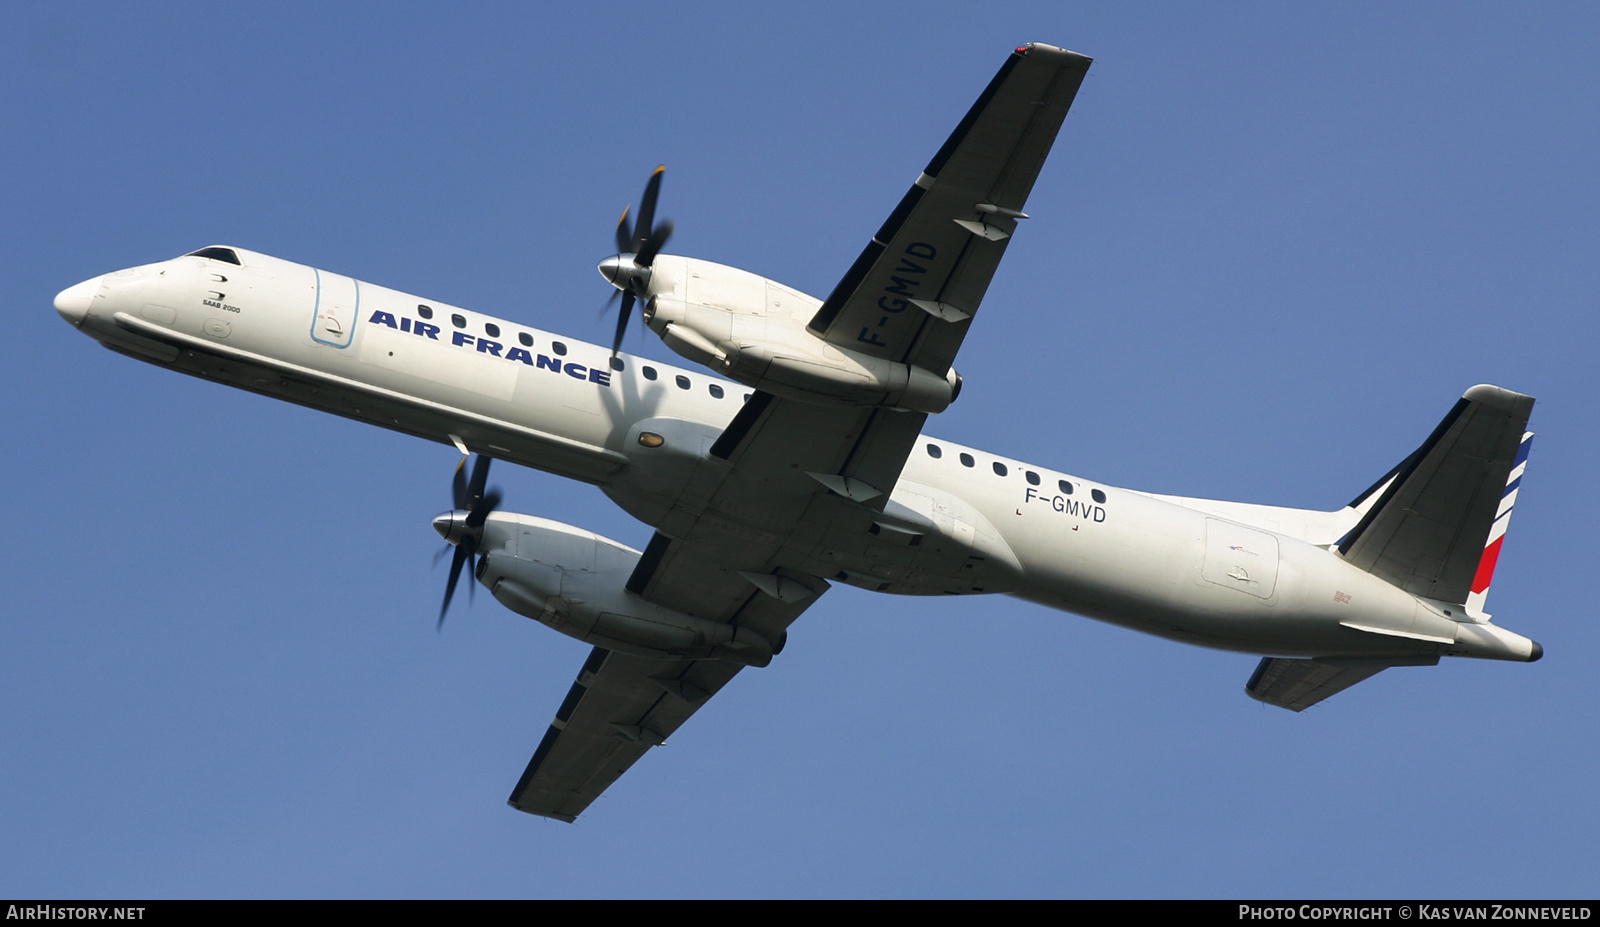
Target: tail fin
[1435, 530]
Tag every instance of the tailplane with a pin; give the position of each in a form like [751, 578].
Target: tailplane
[1299, 684]
[1432, 526]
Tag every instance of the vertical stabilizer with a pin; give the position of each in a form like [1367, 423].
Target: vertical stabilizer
[1435, 528]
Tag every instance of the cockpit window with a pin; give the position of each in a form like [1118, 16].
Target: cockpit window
[217, 254]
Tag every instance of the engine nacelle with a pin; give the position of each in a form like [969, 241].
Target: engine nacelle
[575, 582]
[754, 330]
[780, 355]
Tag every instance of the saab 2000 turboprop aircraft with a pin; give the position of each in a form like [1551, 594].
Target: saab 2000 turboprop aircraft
[812, 466]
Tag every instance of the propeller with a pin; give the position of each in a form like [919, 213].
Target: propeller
[463, 526]
[637, 246]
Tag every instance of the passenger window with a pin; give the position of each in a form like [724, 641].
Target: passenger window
[716, 391]
[683, 382]
[1097, 495]
[425, 311]
[525, 338]
[616, 363]
[558, 347]
[649, 372]
[458, 321]
[967, 461]
[491, 329]
[1033, 478]
[935, 451]
[999, 468]
[1066, 487]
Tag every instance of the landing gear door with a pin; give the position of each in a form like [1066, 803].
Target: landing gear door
[337, 304]
[1240, 558]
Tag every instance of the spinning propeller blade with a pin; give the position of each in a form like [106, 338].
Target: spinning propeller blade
[637, 246]
[463, 526]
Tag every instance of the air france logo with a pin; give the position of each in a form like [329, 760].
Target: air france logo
[494, 348]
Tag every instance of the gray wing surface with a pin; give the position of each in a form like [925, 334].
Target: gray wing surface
[734, 548]
[618, 708]
[791, 488]
[911, 295]
[621, 705]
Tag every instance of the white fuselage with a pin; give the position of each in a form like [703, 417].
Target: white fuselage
[1234, 576]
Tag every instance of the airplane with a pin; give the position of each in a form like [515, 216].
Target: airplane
[792, 455]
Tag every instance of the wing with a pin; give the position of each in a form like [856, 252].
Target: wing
[740, 546]
[792, 489]
[619, 707]
[911, 295]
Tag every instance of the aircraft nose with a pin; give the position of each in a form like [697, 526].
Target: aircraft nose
[73, 302]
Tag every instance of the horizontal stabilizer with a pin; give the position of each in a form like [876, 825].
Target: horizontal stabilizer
[1299, 684]
[1427, 532]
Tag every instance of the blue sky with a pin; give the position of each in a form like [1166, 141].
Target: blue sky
[1272, 245]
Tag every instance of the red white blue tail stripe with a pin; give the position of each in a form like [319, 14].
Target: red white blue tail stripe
[1497, 533]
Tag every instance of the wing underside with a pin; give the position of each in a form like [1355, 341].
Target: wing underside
[622, 704]
[619, 707]
[911, 294]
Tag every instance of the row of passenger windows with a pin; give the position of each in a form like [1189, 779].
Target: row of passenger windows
[649, 372]
[1000, 469]
[493, 331]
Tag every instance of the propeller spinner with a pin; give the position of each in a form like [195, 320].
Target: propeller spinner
[463, 526]
[629, 269]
